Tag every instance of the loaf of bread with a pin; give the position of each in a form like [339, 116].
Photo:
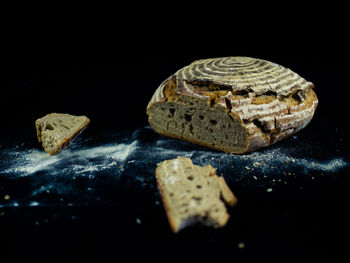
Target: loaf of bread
[193, 194]
[233, 104]
[57, 130]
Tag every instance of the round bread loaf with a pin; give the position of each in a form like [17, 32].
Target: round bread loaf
[233, 104]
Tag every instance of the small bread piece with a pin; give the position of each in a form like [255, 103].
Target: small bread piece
[57, 130]
[232, 104]
[193, 194]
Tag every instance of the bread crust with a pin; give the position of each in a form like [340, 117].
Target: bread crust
[176, 224]
[70, 139]
[272, 103]
[67, 141]
[226, 194]
[171, 218]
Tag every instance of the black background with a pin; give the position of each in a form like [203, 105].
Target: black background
[108, 71]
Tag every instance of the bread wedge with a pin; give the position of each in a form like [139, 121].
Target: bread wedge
[56, 131]
[193, 194]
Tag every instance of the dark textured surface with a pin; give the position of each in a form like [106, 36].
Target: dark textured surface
[127, 157]
[98, 199]
[291, 196]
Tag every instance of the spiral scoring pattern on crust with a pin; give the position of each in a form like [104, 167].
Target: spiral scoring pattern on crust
[266, 122]
[241, 73]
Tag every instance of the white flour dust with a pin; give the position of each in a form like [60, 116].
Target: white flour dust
[175, 164]
[80, 161]
[78, 173]
[273, 157]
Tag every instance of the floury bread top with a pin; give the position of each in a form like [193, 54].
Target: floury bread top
[271, 101]
[240, 75]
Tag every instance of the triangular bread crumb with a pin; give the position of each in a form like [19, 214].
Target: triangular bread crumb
[57, 130]
[193, 194]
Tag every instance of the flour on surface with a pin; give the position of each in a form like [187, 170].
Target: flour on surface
[273, 157]
[171, 179]
[81, 174]
[175, 164]
[34, 203]
[80, 161]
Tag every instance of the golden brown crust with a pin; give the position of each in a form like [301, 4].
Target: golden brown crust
[171, 218]
[38, 131]
[226, 193]
[70, 139]
[67, 141]
[271, 101]
[176, 220]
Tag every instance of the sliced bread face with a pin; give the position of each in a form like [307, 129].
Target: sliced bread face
[56, 131]
[232, 104]
[193, 194]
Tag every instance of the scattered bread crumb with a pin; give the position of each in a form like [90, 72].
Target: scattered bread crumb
[256, 164]
[241, 245]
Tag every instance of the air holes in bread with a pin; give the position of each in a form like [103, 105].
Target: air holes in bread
[172, 111]
[188, 117]
[235, 91]
[191, 129]
[194, 201]
[49, 126]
